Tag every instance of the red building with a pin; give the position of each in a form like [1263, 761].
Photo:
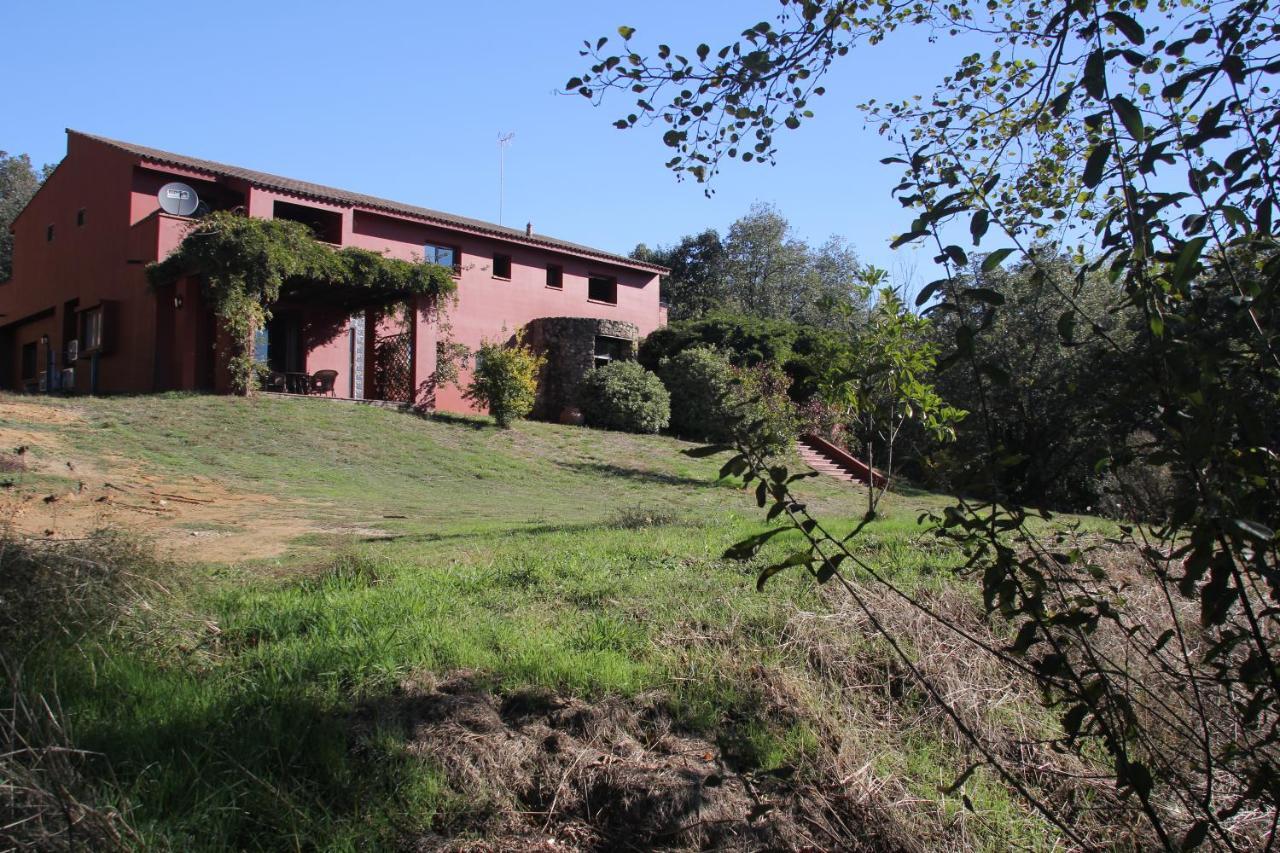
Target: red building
[79, 317]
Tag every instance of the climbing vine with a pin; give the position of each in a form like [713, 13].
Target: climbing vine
[248, 264]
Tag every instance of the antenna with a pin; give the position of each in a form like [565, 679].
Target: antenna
[178, 198]
[504, 139]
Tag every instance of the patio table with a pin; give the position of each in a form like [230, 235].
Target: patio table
[297, 383]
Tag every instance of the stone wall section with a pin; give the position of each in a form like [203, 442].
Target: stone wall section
[569, 343]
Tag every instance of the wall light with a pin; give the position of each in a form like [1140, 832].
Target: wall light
[177, 301]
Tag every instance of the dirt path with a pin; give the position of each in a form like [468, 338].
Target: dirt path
[191, 518]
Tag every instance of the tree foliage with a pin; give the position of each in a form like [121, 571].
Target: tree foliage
[879, 379]
[505, 380]
[1061, 411]
[1143, 136]
[246, 264]
[19, 181]
[760, 269]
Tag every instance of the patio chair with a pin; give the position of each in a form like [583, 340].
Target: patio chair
[274, 381]
[322, 382]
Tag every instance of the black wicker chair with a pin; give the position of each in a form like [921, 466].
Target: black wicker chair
[322, 382]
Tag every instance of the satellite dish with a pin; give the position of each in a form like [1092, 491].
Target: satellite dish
[178, 198]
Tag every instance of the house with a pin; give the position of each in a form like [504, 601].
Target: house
[78, 315]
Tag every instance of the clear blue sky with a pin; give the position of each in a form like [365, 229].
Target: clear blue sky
[406, 99]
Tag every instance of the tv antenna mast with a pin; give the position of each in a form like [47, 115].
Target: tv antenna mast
[504, 139]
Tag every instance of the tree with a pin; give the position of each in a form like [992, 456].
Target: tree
[18, 183]
[696, 283]
[772, 273]
[761, 269]
[880, 382]
[505, 380]
[1149, 131]
[1054, 415]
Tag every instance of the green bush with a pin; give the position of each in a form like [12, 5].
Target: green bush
[760, 397]
[745, 342]
[505, 380]
[700, 381]
[623, 395]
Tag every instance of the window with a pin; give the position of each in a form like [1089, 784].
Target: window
[91, 329]
[555, 276]
[602, 288]
[261, 345]
[502, 266]
[445, 256]
[29, 360]
[613, 349]
[80, 217]
[325, 225]
[48, 234]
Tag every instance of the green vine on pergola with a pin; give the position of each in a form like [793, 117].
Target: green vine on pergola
[246, 265]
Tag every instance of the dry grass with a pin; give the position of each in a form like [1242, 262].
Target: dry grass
[51, 594]
[45, 801]
[544, 771]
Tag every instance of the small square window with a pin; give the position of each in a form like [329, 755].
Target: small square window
[555, 276]
[48, 234]
[502, 266]
[80, 217]
[602, 288]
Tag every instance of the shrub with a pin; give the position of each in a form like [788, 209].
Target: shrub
[505, 380]
[623, 395]
[745, 342]
[699, 380]
[760, 396]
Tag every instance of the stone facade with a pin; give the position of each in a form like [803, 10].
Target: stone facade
[569, 343]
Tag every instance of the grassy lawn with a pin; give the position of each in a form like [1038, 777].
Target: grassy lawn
[230, 703]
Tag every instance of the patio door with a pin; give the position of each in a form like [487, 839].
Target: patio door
[284, 343]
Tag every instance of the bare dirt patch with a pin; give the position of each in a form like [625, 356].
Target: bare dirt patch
[194, 519]
[38, 413]
[191, 518]
[548, 772]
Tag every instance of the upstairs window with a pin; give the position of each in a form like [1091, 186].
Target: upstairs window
[555, 276]
[325, 225]
[445, 256]
[502, 266]
[602, 288]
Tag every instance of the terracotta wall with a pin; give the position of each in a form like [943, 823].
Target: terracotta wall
[163, 340]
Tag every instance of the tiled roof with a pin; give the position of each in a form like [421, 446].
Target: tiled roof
[334, 195]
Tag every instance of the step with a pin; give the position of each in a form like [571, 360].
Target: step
[822, 459]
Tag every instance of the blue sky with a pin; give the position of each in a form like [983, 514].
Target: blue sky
[406, 101]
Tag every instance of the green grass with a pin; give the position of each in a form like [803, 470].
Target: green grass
[578, 561]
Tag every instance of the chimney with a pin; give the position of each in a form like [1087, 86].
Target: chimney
[528, 229]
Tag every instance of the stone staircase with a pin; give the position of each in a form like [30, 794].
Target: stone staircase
[826, 458]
